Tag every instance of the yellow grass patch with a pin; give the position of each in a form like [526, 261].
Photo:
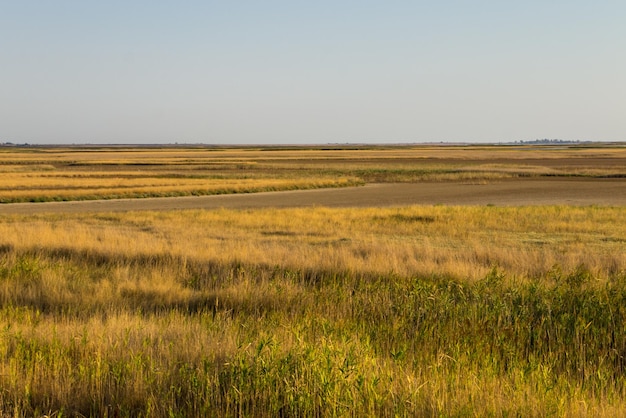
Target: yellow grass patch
[76, 173]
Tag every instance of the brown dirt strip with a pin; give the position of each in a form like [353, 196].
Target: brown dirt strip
[519, 192]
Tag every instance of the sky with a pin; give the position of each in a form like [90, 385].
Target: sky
[304, 72]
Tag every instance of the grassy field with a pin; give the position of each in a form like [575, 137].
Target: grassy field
[391, 311]
[413, 311]
[32, 174]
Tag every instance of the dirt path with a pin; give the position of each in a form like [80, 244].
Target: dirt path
[573, 191]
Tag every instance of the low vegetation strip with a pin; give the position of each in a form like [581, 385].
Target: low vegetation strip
[462, 242]
[416, 311]
[160, 188]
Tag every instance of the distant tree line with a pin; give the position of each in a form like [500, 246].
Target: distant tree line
[11, 144]
[551, 141]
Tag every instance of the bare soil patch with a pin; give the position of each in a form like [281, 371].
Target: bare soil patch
[513, 192]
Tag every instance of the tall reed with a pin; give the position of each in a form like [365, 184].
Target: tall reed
[309, 312]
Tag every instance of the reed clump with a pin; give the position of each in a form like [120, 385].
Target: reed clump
[307, 312]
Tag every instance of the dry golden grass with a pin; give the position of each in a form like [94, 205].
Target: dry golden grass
[455, 241]
[409, 311]
[18, 188]
[76, 173]
[373, 312]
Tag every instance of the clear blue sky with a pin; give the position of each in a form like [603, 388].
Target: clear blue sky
[275, 72]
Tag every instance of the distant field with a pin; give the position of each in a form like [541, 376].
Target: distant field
[88, 173]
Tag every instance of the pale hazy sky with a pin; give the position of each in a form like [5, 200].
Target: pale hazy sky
[244, 72]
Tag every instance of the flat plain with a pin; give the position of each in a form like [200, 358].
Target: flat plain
[500, 175]
[348, 281]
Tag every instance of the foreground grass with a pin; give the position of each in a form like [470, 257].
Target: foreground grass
[309, 312]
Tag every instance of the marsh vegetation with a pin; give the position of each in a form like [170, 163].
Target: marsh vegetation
[414, 311]
[396, 311]
[85, 173]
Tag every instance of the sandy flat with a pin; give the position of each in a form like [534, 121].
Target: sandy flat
[574, 191]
